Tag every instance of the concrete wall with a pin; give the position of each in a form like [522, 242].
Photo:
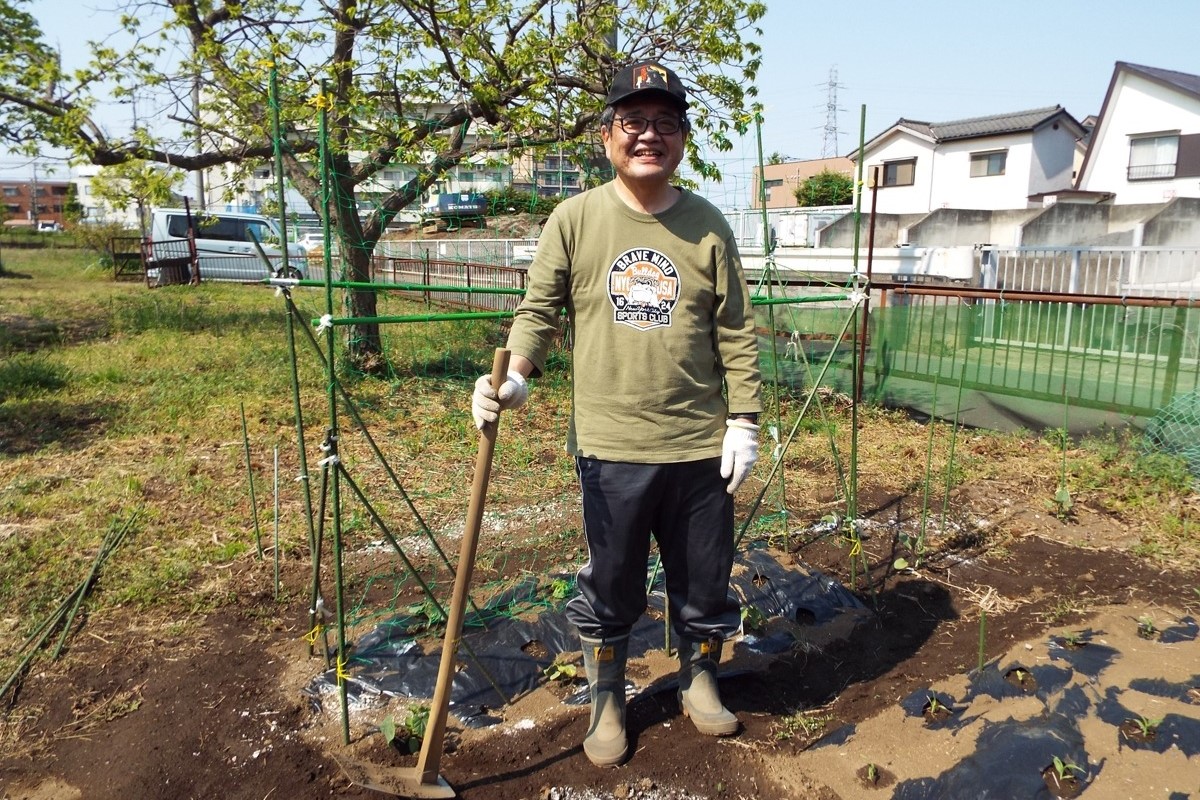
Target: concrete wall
[947, 227]
[1178, 223]
[1064, 224]
[1173, 224]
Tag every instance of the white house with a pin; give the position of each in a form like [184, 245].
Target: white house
[95, 209]
[1146, 145]
[993, 162]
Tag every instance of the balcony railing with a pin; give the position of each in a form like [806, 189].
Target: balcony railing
[1148, 172]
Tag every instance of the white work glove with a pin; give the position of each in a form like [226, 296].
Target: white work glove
[486, 403]
[739, 451]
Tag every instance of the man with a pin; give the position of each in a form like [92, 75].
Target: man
[665, 402]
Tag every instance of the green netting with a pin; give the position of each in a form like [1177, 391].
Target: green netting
[1175, 430]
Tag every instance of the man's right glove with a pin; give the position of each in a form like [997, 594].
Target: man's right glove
[739, 451]
[486, 403]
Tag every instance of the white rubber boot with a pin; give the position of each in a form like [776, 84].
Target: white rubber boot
[604, 662]
[699, 697]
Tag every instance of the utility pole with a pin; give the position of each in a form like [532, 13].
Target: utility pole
[33, 204]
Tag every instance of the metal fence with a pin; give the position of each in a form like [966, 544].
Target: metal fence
[1110, 271]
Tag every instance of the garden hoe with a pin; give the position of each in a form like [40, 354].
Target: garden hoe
[424, 780]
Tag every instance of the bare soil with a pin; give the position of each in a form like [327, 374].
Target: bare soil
[212, 706]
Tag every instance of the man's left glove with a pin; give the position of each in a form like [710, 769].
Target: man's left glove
[739, 451]
[486, 403]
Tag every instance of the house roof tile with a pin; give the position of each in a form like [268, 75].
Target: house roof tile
[993, 125]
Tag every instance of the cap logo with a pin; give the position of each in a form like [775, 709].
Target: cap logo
[650, 76]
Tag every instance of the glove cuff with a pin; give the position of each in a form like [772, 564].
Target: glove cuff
[745, 425]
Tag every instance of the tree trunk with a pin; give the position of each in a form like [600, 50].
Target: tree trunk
[365, 347]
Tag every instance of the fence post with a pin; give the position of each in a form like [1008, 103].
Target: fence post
[1171, 379]
[425, 276]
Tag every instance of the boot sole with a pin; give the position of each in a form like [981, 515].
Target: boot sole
[607, 761]
[711, 728]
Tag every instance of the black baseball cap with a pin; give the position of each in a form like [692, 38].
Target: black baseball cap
[646, 76]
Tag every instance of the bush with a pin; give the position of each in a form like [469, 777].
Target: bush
[98, 236]
[514, 201]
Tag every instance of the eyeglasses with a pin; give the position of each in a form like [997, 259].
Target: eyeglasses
[663, 126]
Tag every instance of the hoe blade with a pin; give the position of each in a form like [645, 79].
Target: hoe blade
[396, 781]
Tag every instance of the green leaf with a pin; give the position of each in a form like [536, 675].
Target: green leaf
[387, 726]
[900, 564]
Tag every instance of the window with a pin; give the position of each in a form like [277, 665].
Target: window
[899, 173]
[1153, 157]
[262, 173]
[770, 184]
[13, 208]
[393, 176]
[12, 191]
[466, 176]
[988, 163]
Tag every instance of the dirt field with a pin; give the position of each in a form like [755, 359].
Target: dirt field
[134, 711]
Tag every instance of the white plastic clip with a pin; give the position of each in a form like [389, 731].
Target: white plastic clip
[326, 323]
[777, 452]
[857, 297]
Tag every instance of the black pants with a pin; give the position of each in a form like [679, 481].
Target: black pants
[689, 513]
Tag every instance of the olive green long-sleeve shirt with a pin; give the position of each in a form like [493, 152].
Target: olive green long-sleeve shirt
[661, 319]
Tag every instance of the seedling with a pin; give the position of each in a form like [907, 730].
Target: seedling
[872, 774]
[753, 619]
[1073, 639]
[810, 726]
[1064, 770]
[934, 705]
[1063, 505]
[413, 730]
[1147, 727]
[560, 588]
[564, 673]
[1146, 628]
[1020, 675]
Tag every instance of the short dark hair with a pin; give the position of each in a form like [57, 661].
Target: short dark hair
[610, 112]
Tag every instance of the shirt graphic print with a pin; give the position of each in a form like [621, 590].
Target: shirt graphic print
[643, 286]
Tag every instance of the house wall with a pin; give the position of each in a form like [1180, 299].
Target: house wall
[1056, 155]
[903, 199]
[93, 209]
[953, 186]
[1137, 106]
[17, 198]
[788, 176]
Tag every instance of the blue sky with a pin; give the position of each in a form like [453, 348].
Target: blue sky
[931, 60]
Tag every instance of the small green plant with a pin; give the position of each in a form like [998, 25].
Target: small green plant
[560, 588]
[1062, 505]
[416, 721]
[1073, 639]
[412, 734]
[1146, 726]
[872, 774]
[561, 672]
[934, 705]
[1020, 675]
[1146, 628]
[1065, 770]
[753, 619]
[808, 724]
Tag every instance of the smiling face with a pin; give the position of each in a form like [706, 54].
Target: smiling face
[646, 160]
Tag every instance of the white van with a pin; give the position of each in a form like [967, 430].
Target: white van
[225, 243]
